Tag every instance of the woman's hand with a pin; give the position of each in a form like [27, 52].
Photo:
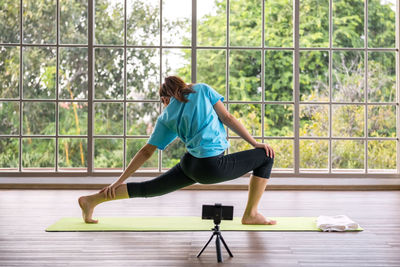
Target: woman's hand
[109, 191]
[270, 152]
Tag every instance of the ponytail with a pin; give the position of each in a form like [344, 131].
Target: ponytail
[176, 87]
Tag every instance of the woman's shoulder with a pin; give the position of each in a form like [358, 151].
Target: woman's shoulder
[201, 87]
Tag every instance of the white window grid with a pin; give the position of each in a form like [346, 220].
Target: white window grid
[296, 49]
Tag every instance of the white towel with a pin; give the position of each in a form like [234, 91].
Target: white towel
[336, 223]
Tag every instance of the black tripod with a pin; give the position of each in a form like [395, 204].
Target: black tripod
[217, 233]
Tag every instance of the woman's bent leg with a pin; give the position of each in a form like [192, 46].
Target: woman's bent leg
[224, 168]
[256, 189]
[234, 165]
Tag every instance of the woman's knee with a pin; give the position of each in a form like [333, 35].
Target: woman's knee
[268, 160]
[265, 168]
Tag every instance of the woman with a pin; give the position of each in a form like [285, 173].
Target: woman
[196, 114]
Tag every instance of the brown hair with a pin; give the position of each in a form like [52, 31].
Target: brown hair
[176, 87]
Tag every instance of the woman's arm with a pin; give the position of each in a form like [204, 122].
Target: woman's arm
[141, 157]
[235, 125]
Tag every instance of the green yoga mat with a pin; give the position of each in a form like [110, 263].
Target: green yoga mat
[184, 223]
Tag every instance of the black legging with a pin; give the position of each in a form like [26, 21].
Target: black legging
[209, 170]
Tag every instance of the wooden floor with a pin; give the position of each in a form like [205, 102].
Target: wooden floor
[24, 214]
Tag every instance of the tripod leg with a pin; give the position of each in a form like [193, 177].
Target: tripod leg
[226, 246]
[198, 255]
[218, 246]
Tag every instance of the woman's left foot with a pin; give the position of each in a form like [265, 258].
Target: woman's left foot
[87, 210]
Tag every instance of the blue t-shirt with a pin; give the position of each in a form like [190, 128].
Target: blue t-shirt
[195, 122]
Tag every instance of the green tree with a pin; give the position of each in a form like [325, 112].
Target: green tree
[39, 76]
[314, 84]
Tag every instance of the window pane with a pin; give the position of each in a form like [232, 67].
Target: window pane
[278, 120]
[142, 73]
[39, 118]
[39, 21]
[141, 118]
[73, 22]
[73, 118]
[314, 155]
[133, 146]
[314, 120]
[143, 78]
[108, 154]
[245, 75]
[109, 118]
[212, 74]
[109, 73]
[245, 22]
[348, 120]
[173, 153]
[382, 156]
[249, 115]
[109, 22]
[348, 23]
[143, 22]
[278, 76]
[314, 23]
[237, 145]
[347, 155]
[381, 23]
[314, 76]
[284, 159]
[72, 153]
[177, 62]
[348, 76]
[381, 77]
[9, 21]
[211, 23]
[9, 72]
[9, 153]
[279, 23]
[38, 153]
[9, 118]
[176, 24]
[73, 73]
[382, 121]
[39, 72]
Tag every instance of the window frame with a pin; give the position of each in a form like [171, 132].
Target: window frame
[296, 49]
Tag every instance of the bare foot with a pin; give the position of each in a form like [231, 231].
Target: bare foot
[87, 210]
[257, 219]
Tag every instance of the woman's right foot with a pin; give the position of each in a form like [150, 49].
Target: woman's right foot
[256, 219]
[87, 210]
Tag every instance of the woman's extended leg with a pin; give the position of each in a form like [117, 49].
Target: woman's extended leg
[256, 189]
[167, 182]
[88, 203]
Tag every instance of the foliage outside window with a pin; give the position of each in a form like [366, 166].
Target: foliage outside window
[346, 80]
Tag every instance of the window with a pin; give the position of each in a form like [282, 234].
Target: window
[317, 80]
